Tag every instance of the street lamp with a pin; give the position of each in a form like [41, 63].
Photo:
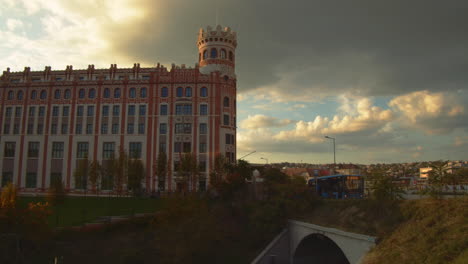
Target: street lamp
[334, 153]
[266, 160]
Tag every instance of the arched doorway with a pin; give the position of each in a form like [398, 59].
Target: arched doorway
[317, 248]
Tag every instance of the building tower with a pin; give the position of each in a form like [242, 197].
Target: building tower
[216, 51]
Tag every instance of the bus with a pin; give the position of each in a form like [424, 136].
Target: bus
[338, 186]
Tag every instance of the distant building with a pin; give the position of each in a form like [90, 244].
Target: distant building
[424, 172]
[50, 120]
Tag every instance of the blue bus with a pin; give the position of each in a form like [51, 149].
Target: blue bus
[338, 186]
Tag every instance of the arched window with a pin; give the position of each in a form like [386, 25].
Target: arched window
[43, 94]
[231, 56]
[132, 93]
[203, 92]
[92, 93]
[33, 95]
[180, 92]
[205, 54]
[226, 102]
[117, 93]
[188, 92]
[106, 93]
[57, 94]
[67, 94]
[81, 93]
[223, 54]
[164, 92]
[19, 95]
[143, 92]
[214, 53]
[11, 95]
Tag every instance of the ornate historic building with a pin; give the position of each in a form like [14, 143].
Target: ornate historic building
[52, 119]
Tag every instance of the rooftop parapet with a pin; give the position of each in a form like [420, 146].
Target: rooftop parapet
[218, 35]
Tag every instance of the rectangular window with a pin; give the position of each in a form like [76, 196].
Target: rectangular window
[202, 166]
[33, 150]
[103, 128]
[82, 150]
[41, 110]
[8, 112]
[32, 111]
[31, 180]
[142, 110]
[177, 146]
[115, 128]
[130, 128]
[18, 111]
[57, 150]
[187, 109]
[163, 110]
[30, 129]
[53, 129]
[55, 177]
[9, 150]
[78, 129]
[6, 129]
[55, 111]
[108, 150]
[65, 111]
[80, 110]
[203, 128]
[16, 128]
[179, 128]
[162, 147]
[90, 110]
[105, 110]
[64, 129]
[131, 110]
[228, 139]
[179, 109]
[89, 129]
[135, 150]
[7, 177]
[203, 109]
[162, 128]
[187, 147]
[187, 128]
[202, 147]
[141, 128]
[116, 110]
[226, 120]
[40, 129]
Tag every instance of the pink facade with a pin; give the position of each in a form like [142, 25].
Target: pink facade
[51, 119]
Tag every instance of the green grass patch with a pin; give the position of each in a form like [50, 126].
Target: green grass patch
[75, 211]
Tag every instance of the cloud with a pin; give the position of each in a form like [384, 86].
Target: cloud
[14, 24]
[431, 112]
[262, 121]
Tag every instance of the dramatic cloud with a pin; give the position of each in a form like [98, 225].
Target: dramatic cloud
[262, 121]
[431, 112]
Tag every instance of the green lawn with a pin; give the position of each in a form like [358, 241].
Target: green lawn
[75, 211]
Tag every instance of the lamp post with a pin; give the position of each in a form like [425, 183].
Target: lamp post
[334, 153]
[266, 160]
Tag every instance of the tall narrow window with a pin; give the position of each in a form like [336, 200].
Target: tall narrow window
[65, 110]
[180, 92]
[57, 150]
[205, 54]
[82, 150]
[9, 150]
[226, 120]
[92, 93]
[67, 94]
[105, 110]
[214, 53]
[142, 110]
[130, 128]
[78, 129]
[131, 110]
[81, 93]
[20, 95]
[143, 92]
[33, 150]
[116, 110]
[203, 128]
[18, 111]
[188, 92]
[162, 128]
[108, 150]
[106, 93]
[115, 128]
[223, 54]
[104, 128]
[163, 110]
[164, 92]
[80, 110]
[32, 111]
[8, 112]
[43, 94]
[203, 109]
[41, 111]
[31, 180]
[11, 95]
[117, 93]
[226, 102]
[33, 95]
[134, 150]
[141, 128]
[203, 92]
[132, 93]
[90, 111]
[55, 111]
[57, 94]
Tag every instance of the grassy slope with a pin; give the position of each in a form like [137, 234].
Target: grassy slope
[77, 210]
[416, 231]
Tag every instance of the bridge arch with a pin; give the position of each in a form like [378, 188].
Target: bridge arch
[318, 248]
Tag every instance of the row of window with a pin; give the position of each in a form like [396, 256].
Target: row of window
[213, 54]
[132, 93]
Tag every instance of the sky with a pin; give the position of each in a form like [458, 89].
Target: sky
[387, 79]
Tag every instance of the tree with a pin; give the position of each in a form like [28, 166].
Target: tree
[56, 192]
[194, 170]
[161, 169]
[95, 172]
[8, 196]
[437, 177]
[121, 171]
[108, 169]
[383, 187]
[136, 173]
[184, 169]
[219, 171]
[81, 173]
